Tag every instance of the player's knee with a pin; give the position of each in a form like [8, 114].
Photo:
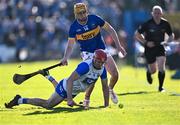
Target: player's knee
[47, 105]
[161, 68]
[153, 71]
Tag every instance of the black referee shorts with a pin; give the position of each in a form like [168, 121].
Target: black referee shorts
[152, 53]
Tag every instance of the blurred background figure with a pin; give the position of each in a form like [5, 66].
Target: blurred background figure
[173, 55]
[33, 30]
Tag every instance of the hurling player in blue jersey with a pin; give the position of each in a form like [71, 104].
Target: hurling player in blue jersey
[84, 76]
[86, 31]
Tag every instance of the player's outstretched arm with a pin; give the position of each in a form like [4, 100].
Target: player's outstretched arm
[88, 92]
[68, 51]
[170, 38]
[86, 101]
[105, 89]
[107, 27]
[74, 76]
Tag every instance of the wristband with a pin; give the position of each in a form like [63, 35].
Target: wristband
[50, 78]
[86, 103]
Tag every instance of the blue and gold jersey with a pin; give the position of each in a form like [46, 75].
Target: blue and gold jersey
[88, 35]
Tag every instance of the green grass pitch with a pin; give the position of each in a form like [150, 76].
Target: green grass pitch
[142, 104]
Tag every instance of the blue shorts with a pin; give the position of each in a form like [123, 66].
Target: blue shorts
[61, 91]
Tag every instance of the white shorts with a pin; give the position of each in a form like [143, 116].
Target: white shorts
[87, 55]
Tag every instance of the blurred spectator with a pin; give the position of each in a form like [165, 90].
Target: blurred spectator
[173, 52]
[38, 18]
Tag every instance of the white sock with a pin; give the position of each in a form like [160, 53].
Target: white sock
[20, 101]
[110, 90]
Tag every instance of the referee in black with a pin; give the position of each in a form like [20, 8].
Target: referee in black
[151, 34]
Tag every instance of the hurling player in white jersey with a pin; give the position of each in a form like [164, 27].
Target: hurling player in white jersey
[83, 77]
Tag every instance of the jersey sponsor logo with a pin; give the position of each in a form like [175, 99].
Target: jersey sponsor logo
[88, 35]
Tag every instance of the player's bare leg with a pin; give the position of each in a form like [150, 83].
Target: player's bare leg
[50, 78]
[113, 71]
[54, 100]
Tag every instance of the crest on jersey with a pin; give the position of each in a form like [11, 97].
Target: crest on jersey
[86, 28]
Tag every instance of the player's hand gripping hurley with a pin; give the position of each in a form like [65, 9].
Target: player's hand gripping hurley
[20, 78]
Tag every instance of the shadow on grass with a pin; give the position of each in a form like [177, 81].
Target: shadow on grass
[61, 109]
[174, 94]
[135, 93]
[3, 109]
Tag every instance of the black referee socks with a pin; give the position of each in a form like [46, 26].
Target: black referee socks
[161, 76]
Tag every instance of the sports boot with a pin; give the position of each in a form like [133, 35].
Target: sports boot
[13, 102]
[113, 96]
[149, 78]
